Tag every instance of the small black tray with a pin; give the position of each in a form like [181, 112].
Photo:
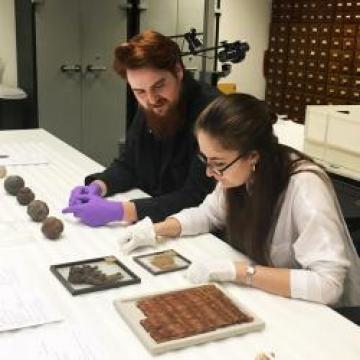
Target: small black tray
[107, 264]
[144, 260]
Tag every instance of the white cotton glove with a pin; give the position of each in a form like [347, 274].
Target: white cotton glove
[217, 270]
[140, 234]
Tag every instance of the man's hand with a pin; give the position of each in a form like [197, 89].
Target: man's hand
[78, 191]
[95, 211]
[138, 235]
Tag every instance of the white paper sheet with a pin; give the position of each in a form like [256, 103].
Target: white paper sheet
[28, 153]
[12, 233]
[66, 343]
[20, 304]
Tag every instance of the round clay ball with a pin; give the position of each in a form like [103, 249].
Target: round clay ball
[52, 227]
[38, 210]
[13, 184]
[2, 172]
[25, 196]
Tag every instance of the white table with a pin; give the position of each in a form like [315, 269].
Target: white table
[294, 329]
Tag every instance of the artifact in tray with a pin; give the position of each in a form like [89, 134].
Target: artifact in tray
[162, 262]
[94, 274]
[189, 312]
[174, 319]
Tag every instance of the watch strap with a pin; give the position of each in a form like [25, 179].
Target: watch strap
[250, 272]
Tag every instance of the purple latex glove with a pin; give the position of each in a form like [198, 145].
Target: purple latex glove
[76, 192]
[96, 211]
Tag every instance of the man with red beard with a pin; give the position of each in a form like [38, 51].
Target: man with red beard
[160, 153]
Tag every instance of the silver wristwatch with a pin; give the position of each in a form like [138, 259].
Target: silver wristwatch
[250, 272]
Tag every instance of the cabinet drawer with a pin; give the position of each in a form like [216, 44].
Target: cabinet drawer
[323, 54]
[356, 82]
[320, 88]
[288, 97]
[322, 65]
[313, 41]
[337, 30]
[357, 68]
[339, 17]
[334, 66]
[325, 29]
[330, 5]
[332, 101]
[356, 17]
[332, 91]
[314, 29]
[310, 76]
[319, 100]
[333, 79]
[287, 107]
[308, 99]
[340, 5]
[281, 61]
[355, 95]
[335, 55]
[349, 30]
[310, 87]
[347, 57]
[336, 43]
[292, 62]
[346, 68]
[311, 65]
[348, 43]
[302, 53]
[345, 80]
[300, 75]
[357, 56]
[326, 16]
[349, 5]
[343, 92]
[298, 97]
[321, 77]
[291, 83]
[324, 42]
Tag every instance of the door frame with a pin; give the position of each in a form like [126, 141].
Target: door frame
[26, 57]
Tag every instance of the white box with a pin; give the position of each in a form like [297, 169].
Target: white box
[332, 137]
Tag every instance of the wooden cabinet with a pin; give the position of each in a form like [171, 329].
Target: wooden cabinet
[314, 55]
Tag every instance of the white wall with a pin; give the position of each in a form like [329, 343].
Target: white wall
[247, 20]
[240, 20]
[8, 41]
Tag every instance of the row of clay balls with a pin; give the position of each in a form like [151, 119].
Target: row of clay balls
[14, 185]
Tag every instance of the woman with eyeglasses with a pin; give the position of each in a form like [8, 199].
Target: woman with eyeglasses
[277, 205]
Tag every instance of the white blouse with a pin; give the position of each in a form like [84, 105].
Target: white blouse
[310, 238]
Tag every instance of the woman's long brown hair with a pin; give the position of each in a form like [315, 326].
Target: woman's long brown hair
[242, 122]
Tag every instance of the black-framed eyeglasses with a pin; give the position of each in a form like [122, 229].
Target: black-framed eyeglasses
[213, 168]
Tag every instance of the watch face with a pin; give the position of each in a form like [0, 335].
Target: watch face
[250, 270]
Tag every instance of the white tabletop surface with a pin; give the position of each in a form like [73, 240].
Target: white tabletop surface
[293, 329]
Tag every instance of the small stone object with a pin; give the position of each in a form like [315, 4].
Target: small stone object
[2, 172]
[38, 210]
[25, 196]
[52, 228]
[13, 184]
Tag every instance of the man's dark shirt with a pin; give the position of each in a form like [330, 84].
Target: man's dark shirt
[169, 169]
